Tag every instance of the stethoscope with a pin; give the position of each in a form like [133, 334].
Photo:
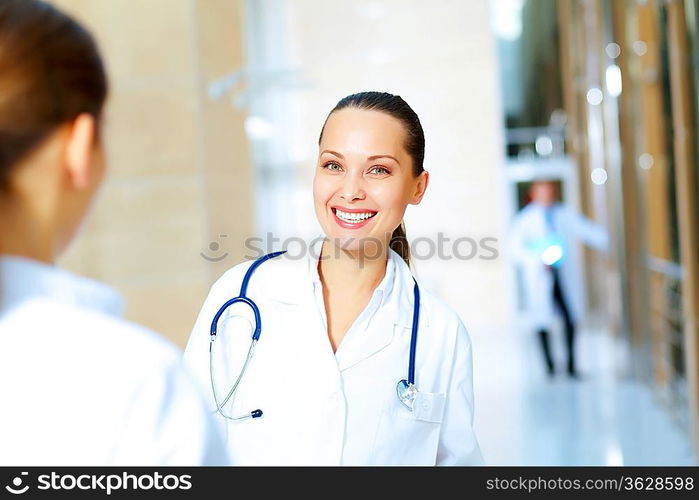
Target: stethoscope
[405, 389]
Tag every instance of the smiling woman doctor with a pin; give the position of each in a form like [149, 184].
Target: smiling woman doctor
[337, 327]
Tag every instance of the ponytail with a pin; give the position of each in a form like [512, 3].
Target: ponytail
[399, 243]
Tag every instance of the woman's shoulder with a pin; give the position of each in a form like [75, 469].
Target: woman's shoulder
[108, 338]
[442, 337]
[442, 318]
[436, 314]
[279, 269]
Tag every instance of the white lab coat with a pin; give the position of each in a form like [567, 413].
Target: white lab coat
[530, 225]
[80, 387]
[325, 408]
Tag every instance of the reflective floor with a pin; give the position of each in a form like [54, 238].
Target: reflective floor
[525, 418]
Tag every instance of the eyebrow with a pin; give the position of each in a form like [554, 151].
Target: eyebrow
[376, 157]
[332, 153]
[371, 158]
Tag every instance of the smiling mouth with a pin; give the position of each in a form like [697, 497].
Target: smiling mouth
[353, 217]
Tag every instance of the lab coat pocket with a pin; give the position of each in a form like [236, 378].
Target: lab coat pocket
[407, 437]
[429, 406]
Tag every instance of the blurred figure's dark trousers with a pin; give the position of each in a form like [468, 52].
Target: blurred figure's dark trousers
[562, 307]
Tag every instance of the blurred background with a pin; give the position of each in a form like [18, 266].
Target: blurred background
[212, 129]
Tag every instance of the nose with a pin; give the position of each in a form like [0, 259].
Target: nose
[351, 188]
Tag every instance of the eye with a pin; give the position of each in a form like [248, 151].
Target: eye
[332, 166]
[379, 170]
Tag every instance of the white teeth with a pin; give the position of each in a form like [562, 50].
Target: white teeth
[353, 217]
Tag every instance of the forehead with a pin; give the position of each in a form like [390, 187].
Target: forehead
[363, 131]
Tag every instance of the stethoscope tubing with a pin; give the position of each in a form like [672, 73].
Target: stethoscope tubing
[413, 335]
[219, 406]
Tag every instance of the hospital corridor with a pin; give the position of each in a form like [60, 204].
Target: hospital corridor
[606, 418]
[560, 221]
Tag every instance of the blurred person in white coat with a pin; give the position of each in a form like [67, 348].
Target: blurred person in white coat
[78, 385]
[337, 323]
[543, 238]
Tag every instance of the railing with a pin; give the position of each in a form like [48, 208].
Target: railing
[667, 326]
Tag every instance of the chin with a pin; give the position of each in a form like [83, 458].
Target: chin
[366, 244]
[348, 242]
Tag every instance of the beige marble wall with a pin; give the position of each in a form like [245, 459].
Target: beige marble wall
[180, 172]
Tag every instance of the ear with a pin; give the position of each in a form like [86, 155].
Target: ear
[420, 187]
[79, 150]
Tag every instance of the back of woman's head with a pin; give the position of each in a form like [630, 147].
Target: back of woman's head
[50, 72]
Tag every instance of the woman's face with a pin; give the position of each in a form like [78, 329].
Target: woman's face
[364, 178]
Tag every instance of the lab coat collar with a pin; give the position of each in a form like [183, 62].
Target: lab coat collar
[542, 208]
[384, 288]
[23, 279]
[396, 287]
[394, 316]
[397, 277]
[405, 298]
[393, 319]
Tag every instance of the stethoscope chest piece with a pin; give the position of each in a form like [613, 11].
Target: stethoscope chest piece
[406, 393]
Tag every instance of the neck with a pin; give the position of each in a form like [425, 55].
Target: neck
[353, 270]
[22, 235]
